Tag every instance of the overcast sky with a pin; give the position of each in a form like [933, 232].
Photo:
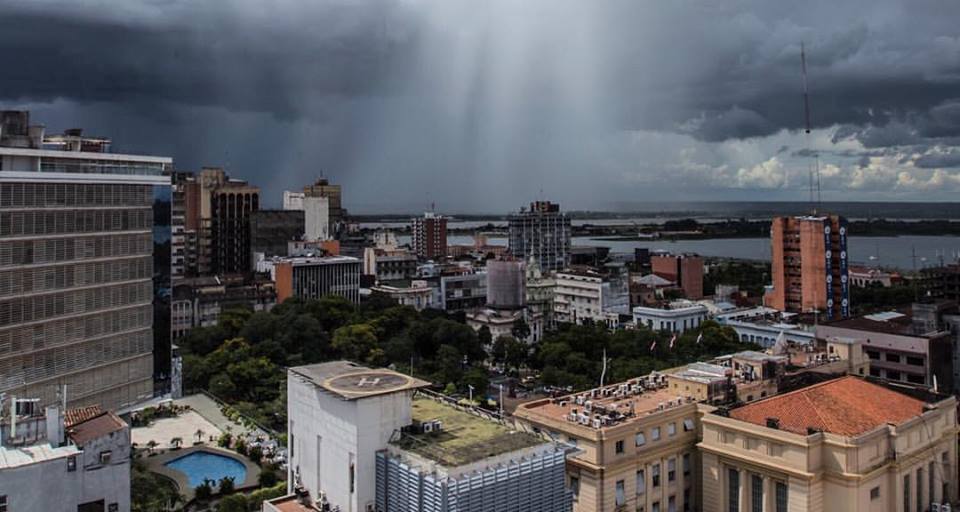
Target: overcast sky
[481, 105]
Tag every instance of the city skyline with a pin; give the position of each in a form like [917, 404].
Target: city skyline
[483, 106]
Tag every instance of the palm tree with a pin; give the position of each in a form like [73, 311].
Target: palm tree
[151, 444]
[176, 442]
[199, 433]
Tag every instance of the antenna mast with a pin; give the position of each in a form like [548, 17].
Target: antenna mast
[806, 124]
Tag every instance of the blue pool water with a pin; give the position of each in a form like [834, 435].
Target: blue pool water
[202, 465]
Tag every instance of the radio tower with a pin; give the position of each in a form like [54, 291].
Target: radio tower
[806, 122]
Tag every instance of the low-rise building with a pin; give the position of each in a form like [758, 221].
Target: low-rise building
[844, 444]
[416, 294]
[314, 277]
[677, 316]
[578, 298]
[80, 462]
[199, 301]
[864, 276]
[501, 322]
[899, 349]
[390, 265]
[463, 291]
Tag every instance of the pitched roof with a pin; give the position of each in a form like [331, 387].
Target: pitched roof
[96, 427]
[847, 406]
[81, 414]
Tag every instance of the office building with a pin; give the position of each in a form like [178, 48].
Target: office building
[225, 210]
[542, 232]
[429, 236]
[678, 316]
[636, 443]
[578, 298]
[463, 290]
[366, 439]
[686, 270]
[900, 349]
[315, 277]
[84, 267]
[844, 444]
[389, 265]
[809, 266]
[271, 232]
[78, 461]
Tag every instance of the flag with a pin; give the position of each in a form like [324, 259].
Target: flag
[673, 341]
[699, 338]
[653, 345]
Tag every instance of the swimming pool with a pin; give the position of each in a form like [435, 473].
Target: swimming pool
[201, 465]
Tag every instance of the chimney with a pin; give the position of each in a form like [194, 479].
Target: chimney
[773, 423]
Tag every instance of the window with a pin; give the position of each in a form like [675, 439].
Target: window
[945, 467]
[619, 446]
[931, 492]
[733, 490]
[640, 439]
[575, 486]
[641, 482]
[621, 496]
[353, 478]
[916, 379]
[781, 497]
[756, 493]
[686, 464]
[3, 503]
[672, 504]
[655, 475]
[686, 500]
[893, 375]
[893, 358]
[655, 507]
[72, 463]
[775, 449]
[113, 507]
[906, 493]
[919, 489]
[655, 433]
[105, 457]
[874, 371]
[687, 425]
[915, 361]
[671, 429]
[572, 441]
[875, 493]
[671, 470]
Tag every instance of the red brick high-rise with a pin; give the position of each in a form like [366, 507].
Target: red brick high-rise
[429, 236]
[686, 270]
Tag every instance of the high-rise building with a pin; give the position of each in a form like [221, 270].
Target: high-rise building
[334, 194]
[429, 236]
[542, 232]
[686, 270]
[231, 202]
[809, 266]
[185, 223]
[84, 267]
[271, 231]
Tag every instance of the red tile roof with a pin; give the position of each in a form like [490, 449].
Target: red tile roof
[96, 427]
[79, 415]
[847, 406]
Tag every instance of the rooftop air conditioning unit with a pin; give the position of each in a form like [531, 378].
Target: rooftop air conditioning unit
[596, 423]
[428, 427]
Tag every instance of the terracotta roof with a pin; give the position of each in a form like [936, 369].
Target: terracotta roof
[79, 415]
[96, 427]
[847, 406]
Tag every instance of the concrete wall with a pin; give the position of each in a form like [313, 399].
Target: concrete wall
[317, 218]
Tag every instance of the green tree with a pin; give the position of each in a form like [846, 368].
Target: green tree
[449, 364]
[476, 377]
[354, 342]
[520, 329]
[234, 503]
[226, 485]
[484, 337]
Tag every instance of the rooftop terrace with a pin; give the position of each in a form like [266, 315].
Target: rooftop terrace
[464, 437]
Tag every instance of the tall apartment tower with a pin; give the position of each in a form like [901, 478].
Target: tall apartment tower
[809, 266]
[185, 220]
[542, 232]
[686, 270]
[429, 236]
[84, 268]
[225, 208]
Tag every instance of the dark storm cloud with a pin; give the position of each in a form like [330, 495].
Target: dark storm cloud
[424, 97]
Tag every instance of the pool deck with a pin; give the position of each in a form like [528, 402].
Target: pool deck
[157, 465]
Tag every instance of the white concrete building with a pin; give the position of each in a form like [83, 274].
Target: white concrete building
[678, 316]
[316, 218]
[340, 415]
[578, 297]
[419, 295]
[82, 464]
[292, 200]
